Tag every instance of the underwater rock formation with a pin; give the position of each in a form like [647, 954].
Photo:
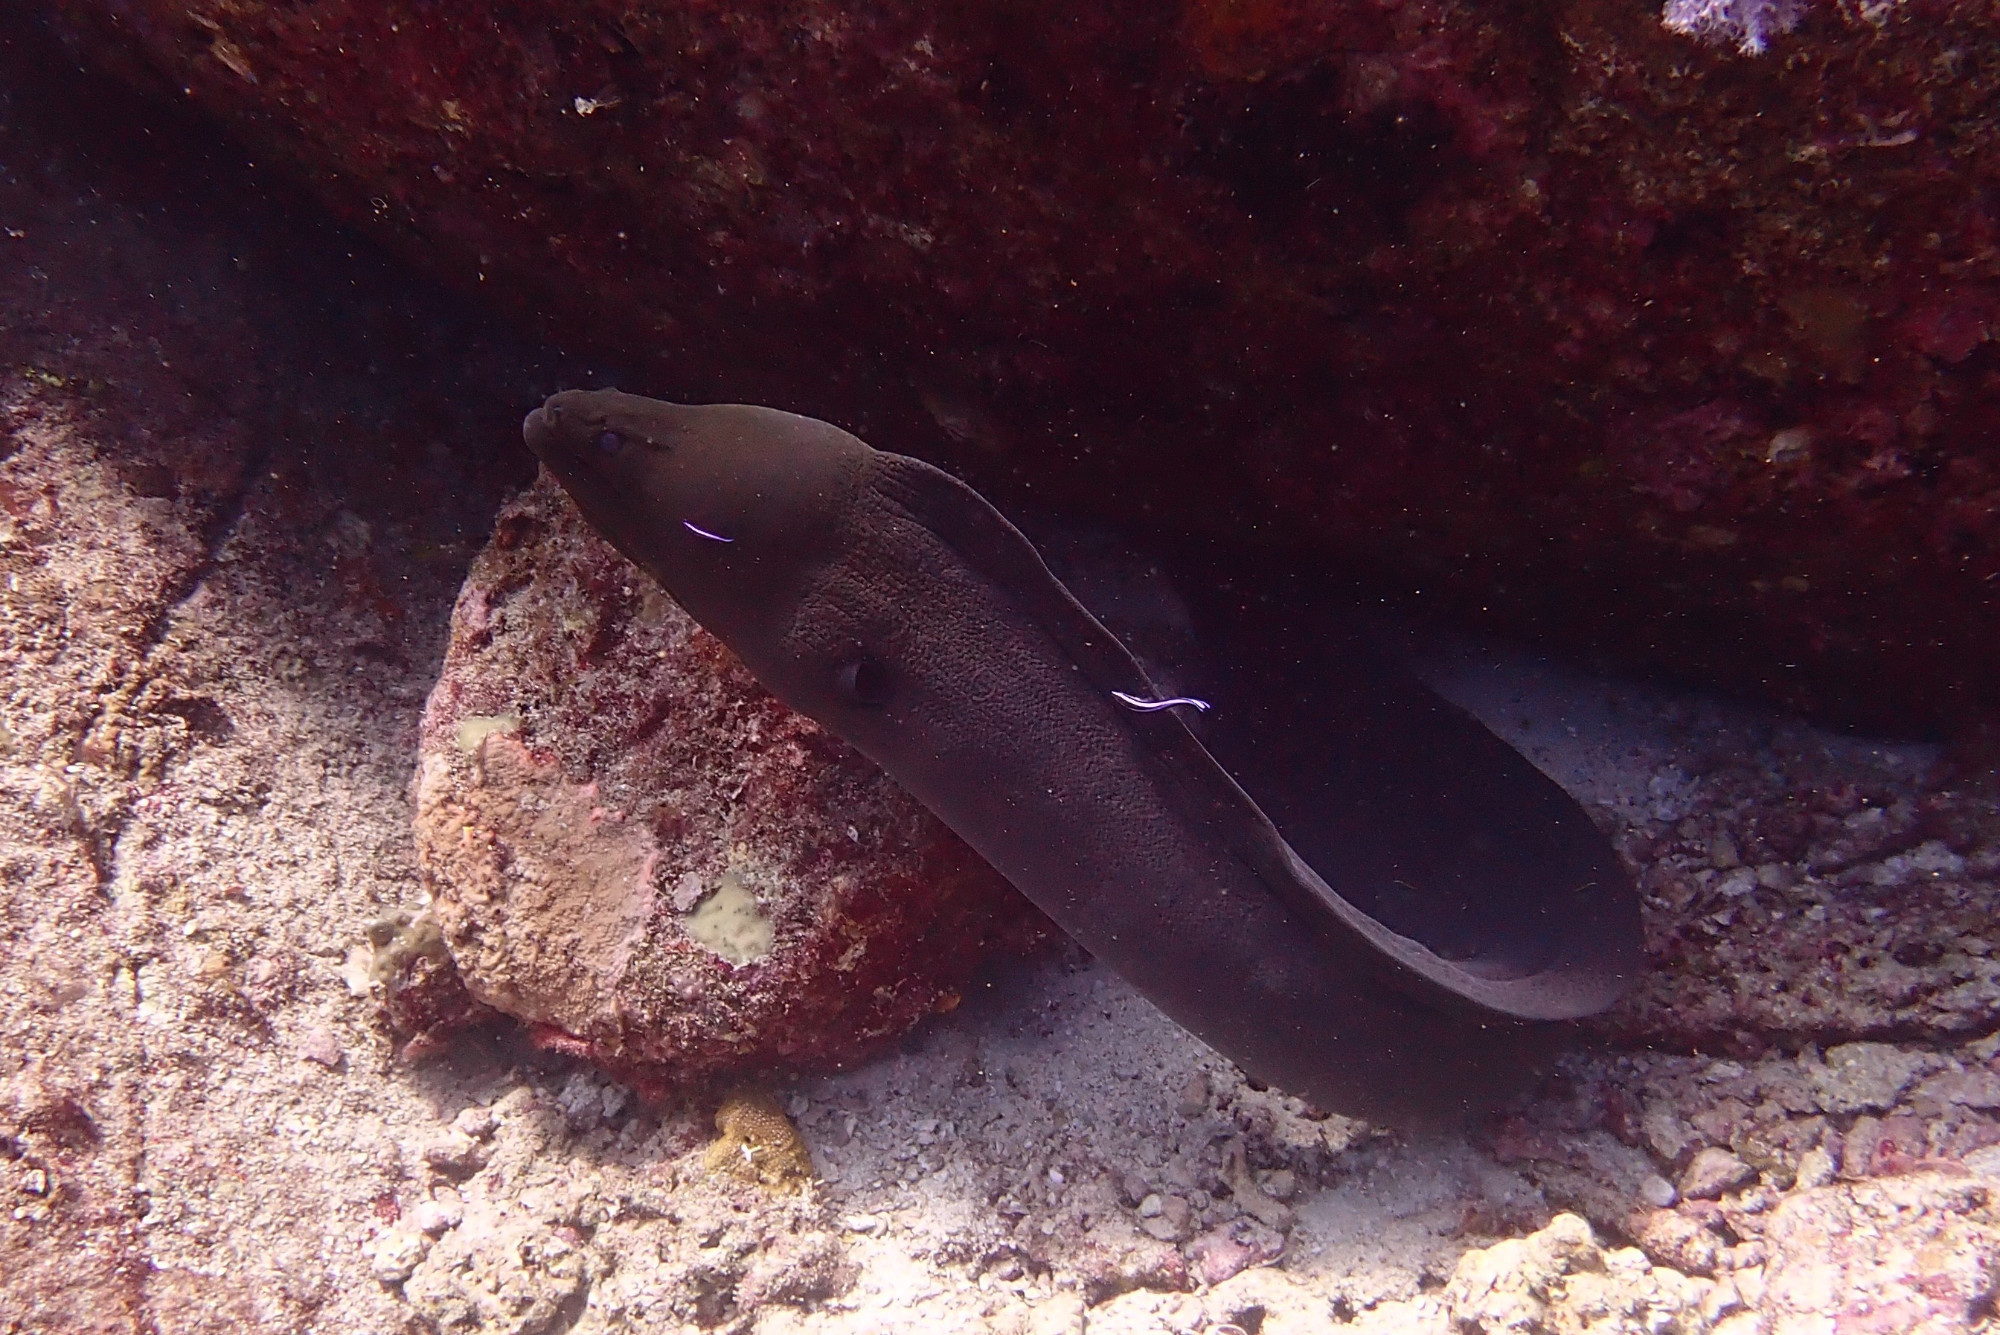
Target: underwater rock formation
[633, 848]
[1578, 323]
[245, 466]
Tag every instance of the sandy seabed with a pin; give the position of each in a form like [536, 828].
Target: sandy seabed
[241, 476]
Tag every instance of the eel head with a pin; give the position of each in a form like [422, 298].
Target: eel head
[724, 504]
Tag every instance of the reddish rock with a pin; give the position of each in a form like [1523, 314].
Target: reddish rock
[635, 849]
[1908, 1254]
[424, 998]
[1233, 1248]
[1877, 1147]
[1549, 310]
[1687, 1240]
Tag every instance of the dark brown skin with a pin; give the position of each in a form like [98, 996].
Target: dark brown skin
[892, 604]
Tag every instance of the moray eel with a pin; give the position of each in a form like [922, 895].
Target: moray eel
[1386, 935]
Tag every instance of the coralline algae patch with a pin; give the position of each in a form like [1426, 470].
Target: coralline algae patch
[633, 847]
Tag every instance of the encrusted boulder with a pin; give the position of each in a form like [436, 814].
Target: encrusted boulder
[634, 848]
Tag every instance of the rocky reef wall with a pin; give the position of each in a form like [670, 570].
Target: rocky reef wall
[1673, 342]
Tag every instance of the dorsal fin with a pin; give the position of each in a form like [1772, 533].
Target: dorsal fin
[1002, 554]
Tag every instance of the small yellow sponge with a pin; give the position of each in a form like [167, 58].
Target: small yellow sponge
[758, 1142]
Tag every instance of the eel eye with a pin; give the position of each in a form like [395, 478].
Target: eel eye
[862, 681]
[609, 442]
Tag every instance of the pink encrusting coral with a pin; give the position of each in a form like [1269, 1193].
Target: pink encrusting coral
[1458, 293]
[633, 848]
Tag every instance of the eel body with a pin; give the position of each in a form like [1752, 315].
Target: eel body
[1344, 884]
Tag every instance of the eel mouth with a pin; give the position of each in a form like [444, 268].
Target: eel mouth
[554, 432]
[563, 423]
[546, 434]
[538, 429]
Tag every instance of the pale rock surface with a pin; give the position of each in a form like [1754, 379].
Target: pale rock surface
[1560, 1281]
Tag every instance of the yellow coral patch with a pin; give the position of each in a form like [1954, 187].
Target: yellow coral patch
[757, 1142]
